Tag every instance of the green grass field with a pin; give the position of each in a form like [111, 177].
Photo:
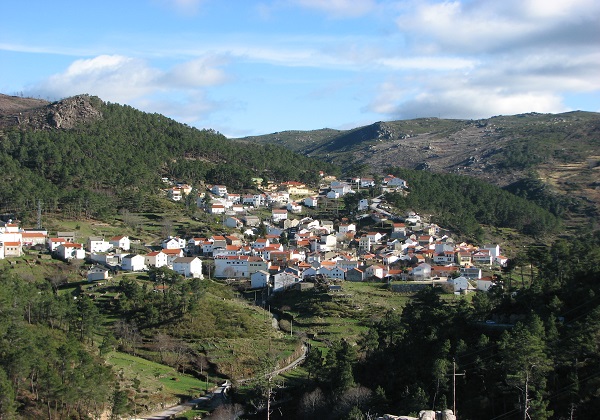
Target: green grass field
[151, 384]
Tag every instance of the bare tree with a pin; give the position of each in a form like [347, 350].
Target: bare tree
[227, 412]
[312, 404]
[359, 396]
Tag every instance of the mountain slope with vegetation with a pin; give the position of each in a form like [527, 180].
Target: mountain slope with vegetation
[544, 157]
[87, 156]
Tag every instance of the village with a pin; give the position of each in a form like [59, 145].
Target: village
[287, 249]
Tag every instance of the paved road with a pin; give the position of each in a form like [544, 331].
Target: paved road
[212, 399]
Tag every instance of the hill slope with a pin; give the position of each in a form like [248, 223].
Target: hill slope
[93, 156]
[562, 150]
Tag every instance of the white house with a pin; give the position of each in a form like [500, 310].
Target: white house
[334, 273]
[325, 243]
[279, 214]
[375, 237]
[133, 262]
[172, 254]
[494, 249]
[220, 190]
[68, 251]
[54, 243]
[122, 242]
[173, 242]
[460, 284]
[367, 182]
[259, 279]
[233, 222]
[188, 266]
[471, 272]
[106, 259]
[255, 200]
[294, 207]
[31, 238]
[394, 182]
[13, 249]
[231, 267]
[483, 257]
[340, 188]
[484, 283]
[374, 271]
[421, 272]
[347, 228]
[155, 259]
[97, 244]
[363, 204]
[216, 209]
[97, 272]
[311, 201]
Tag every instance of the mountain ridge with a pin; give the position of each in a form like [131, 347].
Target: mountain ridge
[562, 151]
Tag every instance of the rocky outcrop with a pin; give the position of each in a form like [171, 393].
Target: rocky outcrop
[63, 114]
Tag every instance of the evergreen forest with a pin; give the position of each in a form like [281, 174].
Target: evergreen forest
[118, 161]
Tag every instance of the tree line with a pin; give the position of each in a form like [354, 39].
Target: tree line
[463, 203]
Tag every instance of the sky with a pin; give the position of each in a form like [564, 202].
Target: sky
[244, 67]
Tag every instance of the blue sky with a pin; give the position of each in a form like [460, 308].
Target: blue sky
[246, 67]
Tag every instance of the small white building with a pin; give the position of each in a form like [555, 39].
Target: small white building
[97, 273]
[173, 242]
[374, 271]
[363, 204]
[484, 283]
[155, 259]
[347, 228]
[122, 242]
[311, 201]
[421, 272]
[233, 223]
[279, 214]
[460, 284]
[97, 244]
[220, 190]
[188, 267]
[259, 279]
[294, 207]
[69, 251]
[133, 262]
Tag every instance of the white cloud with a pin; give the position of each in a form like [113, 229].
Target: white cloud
[195, 73]
[190, 108]
[387, 99]
[429, 62]
[112, 77]
[486, 26]
[178, 92]
[478, 103]
[339, 8]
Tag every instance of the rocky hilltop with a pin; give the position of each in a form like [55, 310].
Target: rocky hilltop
[28, 113]
[560, 151]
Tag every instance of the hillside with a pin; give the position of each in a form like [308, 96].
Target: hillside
[84, 156]
[562, 150]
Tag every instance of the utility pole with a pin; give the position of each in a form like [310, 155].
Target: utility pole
[454, 375]
[526, 393]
